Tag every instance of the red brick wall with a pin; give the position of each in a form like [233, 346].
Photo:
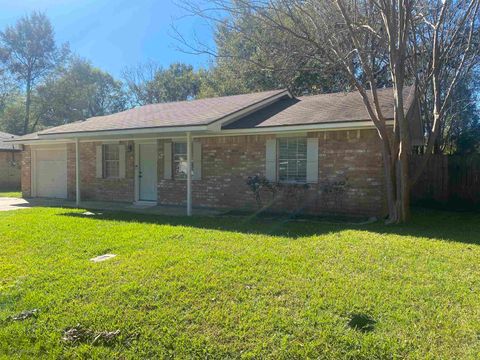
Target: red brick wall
[10, 170]
[226, 164]
[93, 188]
[350, 156]
[26, 176]
[353, 157]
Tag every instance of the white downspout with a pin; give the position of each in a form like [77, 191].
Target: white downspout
[189, 174]
[77, 171]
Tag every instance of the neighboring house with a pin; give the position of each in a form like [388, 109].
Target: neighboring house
[140, 155]
[10, 160]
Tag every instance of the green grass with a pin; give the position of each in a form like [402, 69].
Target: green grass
[15, 194]
[231, 288]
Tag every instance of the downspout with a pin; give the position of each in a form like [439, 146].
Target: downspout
[77, 171]
[189, 174]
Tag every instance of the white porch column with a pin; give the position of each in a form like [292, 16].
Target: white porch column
[189, 174]
[77, 171]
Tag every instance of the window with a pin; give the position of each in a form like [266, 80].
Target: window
[180, 160]
[292, 159]
[111, 161]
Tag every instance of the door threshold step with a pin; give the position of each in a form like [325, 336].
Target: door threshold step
[144, 204]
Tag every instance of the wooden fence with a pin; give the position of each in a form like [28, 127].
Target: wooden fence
[448, 179]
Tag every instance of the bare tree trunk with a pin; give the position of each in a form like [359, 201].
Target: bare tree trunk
[27, 106]
[403, 178]
[437, 105]
[403, 184]
[389, 171]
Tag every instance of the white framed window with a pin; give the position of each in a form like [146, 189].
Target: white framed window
[111, 161]
[180, 161]
[292, 159]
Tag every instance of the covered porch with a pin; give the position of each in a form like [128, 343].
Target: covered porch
[145, 173]
[97, 171]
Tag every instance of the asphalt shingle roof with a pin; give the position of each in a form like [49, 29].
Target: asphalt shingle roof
[5, 145]
[182, 113]
[286, 111]
[318, 109]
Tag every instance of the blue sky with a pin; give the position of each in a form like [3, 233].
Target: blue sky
[115, 33]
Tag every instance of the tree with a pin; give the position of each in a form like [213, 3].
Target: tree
[150, 83]
[7, 88]
[460, 132]
[449, 33]
[13, 115]
[140, 83]
[29, 52]
[409, 41]
[251, 63]
[76, 92]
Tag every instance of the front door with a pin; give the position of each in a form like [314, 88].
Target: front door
[147, 172]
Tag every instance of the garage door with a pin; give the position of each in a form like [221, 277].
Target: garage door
[51, 173]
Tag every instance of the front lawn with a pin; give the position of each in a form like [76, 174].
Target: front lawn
[232, 288]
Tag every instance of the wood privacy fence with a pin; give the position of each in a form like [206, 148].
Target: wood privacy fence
[448, 179]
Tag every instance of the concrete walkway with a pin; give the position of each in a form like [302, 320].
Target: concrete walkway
[7, 204]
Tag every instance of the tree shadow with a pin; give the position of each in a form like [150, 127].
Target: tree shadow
[362, 322]
[461, 227]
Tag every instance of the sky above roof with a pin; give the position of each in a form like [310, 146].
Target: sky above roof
[114, 34]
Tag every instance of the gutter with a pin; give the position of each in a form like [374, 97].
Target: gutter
[133, 131]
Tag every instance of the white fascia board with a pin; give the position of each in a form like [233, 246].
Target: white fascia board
[126, 132]
[42, 142]
[216, 126]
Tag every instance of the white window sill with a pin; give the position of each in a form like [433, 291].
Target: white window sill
[292, 182]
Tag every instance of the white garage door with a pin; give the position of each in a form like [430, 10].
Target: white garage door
[51, 173]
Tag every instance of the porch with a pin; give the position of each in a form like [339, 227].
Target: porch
[7, 204]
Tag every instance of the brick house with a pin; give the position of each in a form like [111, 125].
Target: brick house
[200, 153]
[10, 160]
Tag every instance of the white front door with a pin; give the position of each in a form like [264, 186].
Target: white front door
[147, 172]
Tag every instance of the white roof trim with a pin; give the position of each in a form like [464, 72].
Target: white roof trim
[348, 125]
[134, 131]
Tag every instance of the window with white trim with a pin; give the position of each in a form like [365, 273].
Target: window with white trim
[292, 159]
[180, 160]
[111, 161]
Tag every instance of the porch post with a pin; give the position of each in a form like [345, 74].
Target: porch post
[77, 171]
[189, 174]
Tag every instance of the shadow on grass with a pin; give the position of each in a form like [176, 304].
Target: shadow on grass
[433, 224]
[362, 322]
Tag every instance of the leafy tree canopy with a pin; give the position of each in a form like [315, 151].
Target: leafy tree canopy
[76, 92]
[29, 52]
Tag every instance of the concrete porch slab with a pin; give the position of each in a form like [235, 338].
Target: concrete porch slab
[7, 204]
